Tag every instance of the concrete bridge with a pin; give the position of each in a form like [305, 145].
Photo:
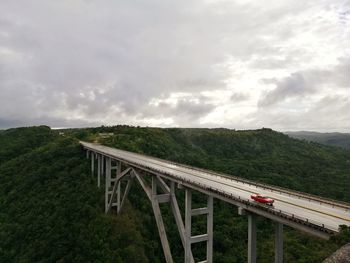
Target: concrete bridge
[160, 179]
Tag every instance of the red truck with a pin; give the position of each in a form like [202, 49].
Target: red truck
[262, 199]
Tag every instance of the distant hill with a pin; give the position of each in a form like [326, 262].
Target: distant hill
[334, 138]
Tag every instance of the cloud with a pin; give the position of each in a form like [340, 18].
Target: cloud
[328, 113]
[294, 85]
[304, 83]
[239, 97]
[91, 62]
[340, 75]
[46, 120]
[4, 123]
[180, 109]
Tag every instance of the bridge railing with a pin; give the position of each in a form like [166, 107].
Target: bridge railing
[245, 201]
[277, 212]
[292, 217]
[280, 189]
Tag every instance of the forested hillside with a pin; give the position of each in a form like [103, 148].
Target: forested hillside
[51, 209]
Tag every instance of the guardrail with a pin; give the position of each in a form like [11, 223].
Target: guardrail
[280, 189]
[292, 217]
[306, 196]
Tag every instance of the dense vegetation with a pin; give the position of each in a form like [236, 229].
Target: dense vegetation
[51, 209]
[332, 138]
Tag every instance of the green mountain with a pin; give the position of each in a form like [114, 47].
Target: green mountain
[52, 211]
[334, 138]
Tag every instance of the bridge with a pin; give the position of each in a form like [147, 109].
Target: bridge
[160, 179]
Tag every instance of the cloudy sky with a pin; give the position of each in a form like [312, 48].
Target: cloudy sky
[242, 64]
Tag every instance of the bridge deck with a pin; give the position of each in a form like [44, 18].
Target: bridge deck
[311, 209]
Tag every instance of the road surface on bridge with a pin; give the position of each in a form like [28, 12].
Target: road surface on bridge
[310, 208]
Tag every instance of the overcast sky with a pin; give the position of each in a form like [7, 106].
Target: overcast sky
[211, 63]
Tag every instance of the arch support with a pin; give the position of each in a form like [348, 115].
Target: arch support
[156, 199]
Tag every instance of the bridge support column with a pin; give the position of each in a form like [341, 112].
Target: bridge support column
[92, 163]
[279, 243]
[107, 182]
[210, 215]
[113, 186]
[113, 182]
[188, 225]
[208, 237]
[99, 170]
[251, 238]
[103, 159]
[118, 182]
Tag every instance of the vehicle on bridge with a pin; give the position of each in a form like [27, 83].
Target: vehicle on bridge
[262, 199]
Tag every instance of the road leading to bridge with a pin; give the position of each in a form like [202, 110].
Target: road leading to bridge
[312, 209]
